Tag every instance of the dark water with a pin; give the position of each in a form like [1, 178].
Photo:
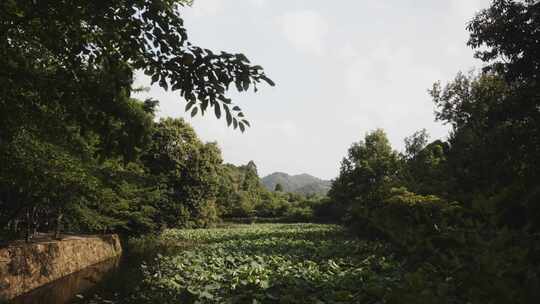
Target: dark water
[108, 279]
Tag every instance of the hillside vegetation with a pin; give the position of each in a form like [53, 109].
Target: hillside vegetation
[302, 183]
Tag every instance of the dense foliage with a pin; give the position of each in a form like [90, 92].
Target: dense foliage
[270, 263]
[76, 150]
[176, 180]
[249, 199]
[463, 212]
[447, 221]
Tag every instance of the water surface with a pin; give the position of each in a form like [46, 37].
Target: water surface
[107, 278]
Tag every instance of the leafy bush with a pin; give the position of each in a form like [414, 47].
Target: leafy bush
[451, 256]
[483, 266]
[299, 214]
[406, 218]
[147, 247]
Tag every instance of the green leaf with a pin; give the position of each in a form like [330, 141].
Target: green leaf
[189, 105]
[238, 84]
[194, 112]
[204, 105]
[163, 84]
[217, 110]
[228, 117]
[224, 99]
[268, 80]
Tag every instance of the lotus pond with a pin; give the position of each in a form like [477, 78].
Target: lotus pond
[265, 263]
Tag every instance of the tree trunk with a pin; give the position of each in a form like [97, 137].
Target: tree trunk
[28, 226]
[34, 222]
[15, 227]
[59, 217]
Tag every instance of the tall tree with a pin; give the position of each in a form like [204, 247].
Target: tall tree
[415, 143]
[367, 173]
[185, 169]
[507, 37]
[66, 69]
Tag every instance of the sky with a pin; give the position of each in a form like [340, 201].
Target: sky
[342, 68]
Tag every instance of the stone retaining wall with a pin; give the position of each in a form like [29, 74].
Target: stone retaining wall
[28, 266]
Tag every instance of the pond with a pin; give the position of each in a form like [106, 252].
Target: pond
[107, 279]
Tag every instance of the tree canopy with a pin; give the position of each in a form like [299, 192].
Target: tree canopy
[75, 145]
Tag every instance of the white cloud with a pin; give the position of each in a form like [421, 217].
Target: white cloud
[453, 50]
[258, 3]
[206, 8]
[341, 70]
[347, 51]
[386, 88]
[284, 128]
[467, 8]
[305, 30]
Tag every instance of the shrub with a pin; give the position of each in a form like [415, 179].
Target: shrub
[404, 217]
[451, 255]
[299, 214]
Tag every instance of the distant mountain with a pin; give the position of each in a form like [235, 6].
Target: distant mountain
[302, 183]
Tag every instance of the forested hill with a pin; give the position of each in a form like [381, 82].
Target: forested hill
[301, 183]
